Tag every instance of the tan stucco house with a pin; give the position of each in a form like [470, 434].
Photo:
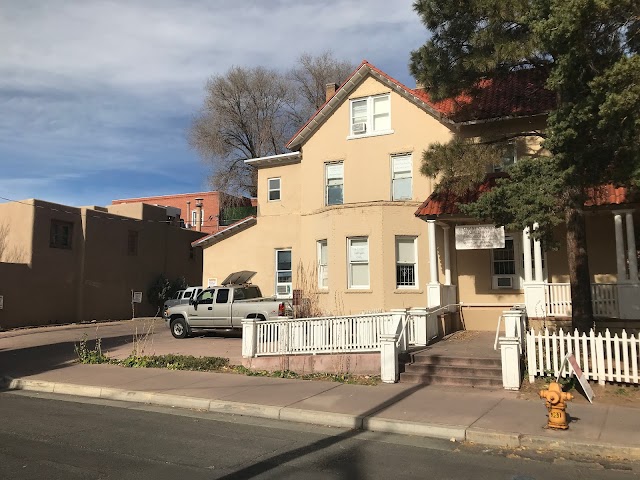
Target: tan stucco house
[63, 264]
[347, 205]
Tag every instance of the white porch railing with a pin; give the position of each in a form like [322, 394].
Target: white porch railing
[357, 333]
[601, 358]
[604, 299]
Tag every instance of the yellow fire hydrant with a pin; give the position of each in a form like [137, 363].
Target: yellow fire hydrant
[556, 404]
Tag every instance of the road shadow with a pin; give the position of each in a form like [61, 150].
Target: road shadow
[344, 469]
[26, 361]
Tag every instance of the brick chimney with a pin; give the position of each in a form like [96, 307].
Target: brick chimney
[199, 214]
[331, 90]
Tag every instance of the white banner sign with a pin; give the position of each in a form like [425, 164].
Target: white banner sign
[477, 237]
[212, 282]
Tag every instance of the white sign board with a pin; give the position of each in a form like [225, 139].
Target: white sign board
[586, 388]
[1, 302]
[359, 253]
[212, 282]
[477, 237]
[334, 171]
[136, 297]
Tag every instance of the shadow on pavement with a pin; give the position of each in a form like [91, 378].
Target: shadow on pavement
[32, 360]
[347, 469]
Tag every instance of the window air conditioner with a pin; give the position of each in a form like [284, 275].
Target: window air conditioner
[359, 127]
[283, 289]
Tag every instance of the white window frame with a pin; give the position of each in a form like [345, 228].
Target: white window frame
[416, 283]
[323, 268]
[393, 174]
[369, 131]
[326, 182]
[288, 285]
[351, 262]
[516, 277]
[270, 189]
[194, 218]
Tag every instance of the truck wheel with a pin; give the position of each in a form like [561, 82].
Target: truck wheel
[179, 328]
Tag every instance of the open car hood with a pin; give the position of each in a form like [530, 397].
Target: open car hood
[238, 278]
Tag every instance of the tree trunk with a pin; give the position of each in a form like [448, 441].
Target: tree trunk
[582, 308]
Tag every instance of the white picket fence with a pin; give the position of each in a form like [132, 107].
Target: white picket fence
[355, 333]
[604, 299]
[602, 358]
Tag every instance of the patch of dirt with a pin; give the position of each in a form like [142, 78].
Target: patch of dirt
[610, 394]
[462, 336]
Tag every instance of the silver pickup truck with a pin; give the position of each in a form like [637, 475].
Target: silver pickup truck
[224, 307]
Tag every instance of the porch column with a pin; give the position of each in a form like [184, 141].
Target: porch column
[620, 257]
[537, 256]
[631, 248]
[447, 257]
[434, 297]
[526, 246]
[433, 255]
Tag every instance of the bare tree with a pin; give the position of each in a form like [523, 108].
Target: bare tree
[252, 112]
[310, 77]
[245, 115]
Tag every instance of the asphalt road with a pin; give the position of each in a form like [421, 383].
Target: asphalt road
[44, 436]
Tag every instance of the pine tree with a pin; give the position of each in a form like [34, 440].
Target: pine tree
[588, 51]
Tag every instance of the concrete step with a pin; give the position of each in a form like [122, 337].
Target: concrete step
[481, 382]
[457, 371]
[451, 361]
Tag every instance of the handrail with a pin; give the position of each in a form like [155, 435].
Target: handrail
[435, 310]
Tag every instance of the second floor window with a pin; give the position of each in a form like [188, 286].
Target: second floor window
[401, 177]
[334, 183]
[132, 243]
[60, 234]
[509, 157]
[371, 115]
[274, 189]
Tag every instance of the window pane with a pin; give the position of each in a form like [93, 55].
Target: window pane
[223, 295]
[405, 250]
[402, 189]
[405, 275]
[359, 111]
[334, 195]
[323, 252]
[284, 260]
[274, 195]
[381, 105]
[360, 275]
[335, 171]
[359, 250]
[401, 164]
[284, 276]
[274, 184]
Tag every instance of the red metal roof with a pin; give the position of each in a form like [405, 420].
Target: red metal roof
[446, 202]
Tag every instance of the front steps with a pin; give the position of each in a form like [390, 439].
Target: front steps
[436, 369]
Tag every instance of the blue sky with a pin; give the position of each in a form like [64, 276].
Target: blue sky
[96, 96]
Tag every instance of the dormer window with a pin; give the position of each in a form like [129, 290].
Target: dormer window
[371, 115]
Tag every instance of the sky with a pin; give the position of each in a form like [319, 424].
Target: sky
[96, 97]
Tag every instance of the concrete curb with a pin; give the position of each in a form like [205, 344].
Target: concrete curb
[457, 433]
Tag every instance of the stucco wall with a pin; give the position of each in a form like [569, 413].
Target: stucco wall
[94, 278]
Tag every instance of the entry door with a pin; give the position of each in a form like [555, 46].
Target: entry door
[201, 315]
[222, 309]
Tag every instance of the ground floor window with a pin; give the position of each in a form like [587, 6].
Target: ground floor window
[406, 268]
[284, 276]
[505, 271]
[323, 264]
[358, 258]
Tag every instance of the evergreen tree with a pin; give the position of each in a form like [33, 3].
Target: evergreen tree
[588, 51]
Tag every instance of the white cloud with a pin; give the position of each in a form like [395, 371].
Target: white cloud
[107, 85]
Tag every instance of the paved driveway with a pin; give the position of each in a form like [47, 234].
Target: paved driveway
[33, 350]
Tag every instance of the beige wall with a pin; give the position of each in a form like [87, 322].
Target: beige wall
[93, 279]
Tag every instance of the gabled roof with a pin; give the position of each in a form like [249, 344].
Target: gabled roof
[519, 94]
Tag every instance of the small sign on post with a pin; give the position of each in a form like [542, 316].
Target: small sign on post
[586, 388]
[1, 302]
[136, 297]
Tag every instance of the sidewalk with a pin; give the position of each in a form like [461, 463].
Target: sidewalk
[489, 417]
